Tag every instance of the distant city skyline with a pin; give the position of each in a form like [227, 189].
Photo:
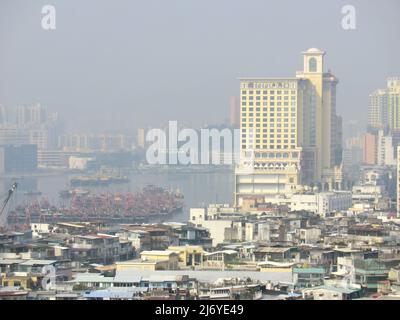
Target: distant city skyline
[152, 62]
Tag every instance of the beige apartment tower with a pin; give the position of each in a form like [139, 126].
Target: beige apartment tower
[290, 133]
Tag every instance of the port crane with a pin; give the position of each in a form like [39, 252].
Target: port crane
[4, 208]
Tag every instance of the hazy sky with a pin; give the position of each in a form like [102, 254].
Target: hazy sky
[119, 64]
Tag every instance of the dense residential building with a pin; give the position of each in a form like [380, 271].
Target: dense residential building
[393, 96]
[369, 149]
[94, 142]
[384, 106]
[385, 150]
[31, 124]
[378, 113]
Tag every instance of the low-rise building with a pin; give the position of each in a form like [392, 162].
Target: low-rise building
[189, 256]
[309, 235]
[152, 260]
[331, 293]
[321, 203]
[308, 277]
[277, 254]
[219, 259]
[103, 248]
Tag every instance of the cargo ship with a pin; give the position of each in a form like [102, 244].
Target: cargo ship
[97, 180]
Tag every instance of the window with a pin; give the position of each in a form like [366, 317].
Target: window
[312, 65]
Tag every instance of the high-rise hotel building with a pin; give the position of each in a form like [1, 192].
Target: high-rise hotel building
[290, 133]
